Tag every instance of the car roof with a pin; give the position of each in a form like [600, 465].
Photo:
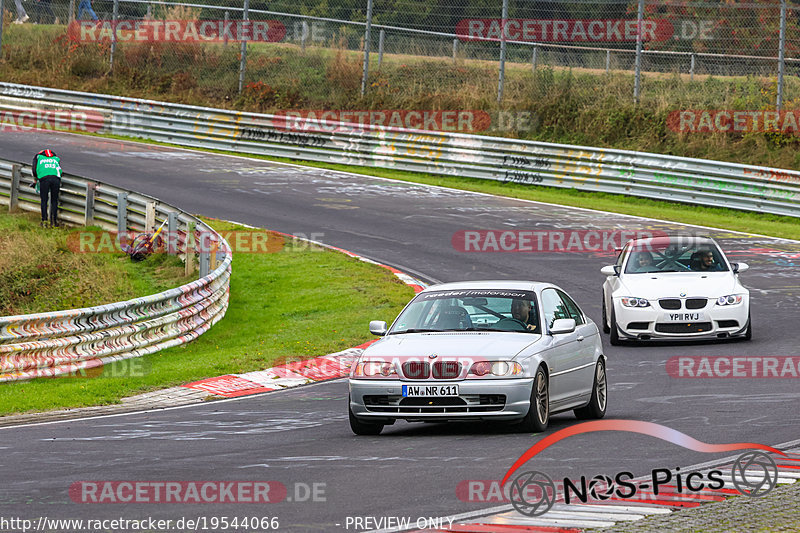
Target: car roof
[664, 240]
[490, 284]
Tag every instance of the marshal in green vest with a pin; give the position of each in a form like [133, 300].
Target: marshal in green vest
[48, 166]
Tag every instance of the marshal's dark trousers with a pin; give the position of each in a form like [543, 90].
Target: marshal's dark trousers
[49, 186]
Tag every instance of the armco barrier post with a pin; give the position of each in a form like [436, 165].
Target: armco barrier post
[243, 50]
[122, 212]
[88, 210]
[149, 217]
[16, 177]
[122, 218]
[172, 233]
[189, 246]
[455, 48]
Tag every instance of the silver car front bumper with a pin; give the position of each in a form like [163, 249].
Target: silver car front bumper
[489, 399]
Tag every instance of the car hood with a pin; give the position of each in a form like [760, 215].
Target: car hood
[490, 345]
[672, 284]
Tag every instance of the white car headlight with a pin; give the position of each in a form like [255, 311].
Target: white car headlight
[635, 302]
[730, 299]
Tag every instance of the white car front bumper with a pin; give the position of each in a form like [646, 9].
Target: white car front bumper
[656, 322]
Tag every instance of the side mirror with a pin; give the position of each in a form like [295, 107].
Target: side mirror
[562, 325]
[377, 327]
[738, 268]
[610, 270]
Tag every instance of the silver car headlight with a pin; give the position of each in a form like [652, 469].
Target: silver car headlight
[496, 368]
[635, 302]
[730, 299]
[373, 369]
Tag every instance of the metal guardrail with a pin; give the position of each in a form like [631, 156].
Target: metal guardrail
[661, 177]
[64, 342]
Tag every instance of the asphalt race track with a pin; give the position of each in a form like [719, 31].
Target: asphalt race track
[301, 437]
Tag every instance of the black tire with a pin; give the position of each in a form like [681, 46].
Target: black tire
[539, 412]
[596, 408]
[606, 329]
[614, 338]
[748, 334]
[360, 427]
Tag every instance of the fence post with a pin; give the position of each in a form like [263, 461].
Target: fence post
[502, 77]
[88, 211]
[225, 33]
[148, 15]
[71, 16]
[2, 12]
[122, 218]
[16, 177]
[455, 47]
[304, 36]
[172, 233]
[691, 68]
[534, 58]
[781, 52]
[367, 36]
[114, 16]
[243, 50]
[608, 60]
[638, 74]
[381, 37]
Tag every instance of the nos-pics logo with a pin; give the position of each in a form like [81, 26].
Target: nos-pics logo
[533, 493]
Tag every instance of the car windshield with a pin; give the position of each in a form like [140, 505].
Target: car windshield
[470, 310]
[674, 255]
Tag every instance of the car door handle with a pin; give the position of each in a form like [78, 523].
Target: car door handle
[580, 338]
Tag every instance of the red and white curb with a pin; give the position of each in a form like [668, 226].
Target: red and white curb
[615, 511]
[332, 366]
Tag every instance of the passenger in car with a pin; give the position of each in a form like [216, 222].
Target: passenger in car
[644, 262]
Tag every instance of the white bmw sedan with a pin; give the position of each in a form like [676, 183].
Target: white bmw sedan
[674, 287]
[514, 351]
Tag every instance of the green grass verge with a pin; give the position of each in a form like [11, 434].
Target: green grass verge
[297, 303]
[39, 272]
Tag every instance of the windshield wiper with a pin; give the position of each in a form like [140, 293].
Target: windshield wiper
[415, 330]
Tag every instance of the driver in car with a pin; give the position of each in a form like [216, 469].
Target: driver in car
[706, 261]
[520, 313]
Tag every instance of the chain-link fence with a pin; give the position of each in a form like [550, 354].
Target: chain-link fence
[503, 49]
